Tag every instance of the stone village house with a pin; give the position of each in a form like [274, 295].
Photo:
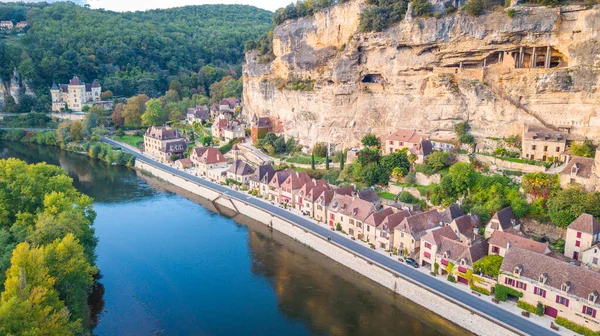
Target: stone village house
[162, 142]
[565, 290]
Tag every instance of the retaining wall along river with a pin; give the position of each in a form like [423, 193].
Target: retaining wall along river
[435, 301]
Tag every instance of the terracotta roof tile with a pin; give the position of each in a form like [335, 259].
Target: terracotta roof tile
[434, 237]
[502, 239]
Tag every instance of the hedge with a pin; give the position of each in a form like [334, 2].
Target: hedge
[480, 290]
[561, 321]
[501, 292]
[528, 307]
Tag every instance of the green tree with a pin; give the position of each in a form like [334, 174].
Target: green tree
[319, 149]
[374, 174]
[421, 8]
[30, 305]
[327, 160]
[67, 263]
[90, 122]
[371, 140]
[312, 161]
[438, 160]
[585, 149]
[367, 156]
[475, 7]
[566, 205]
[76, 131]
[154, 114]
[134, 109]
[396, 160]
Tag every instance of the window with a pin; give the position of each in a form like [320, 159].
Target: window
[545, 148]
[515, 283]
[368, 228]
[577, 243]
[444, 262]
[401, 234]
[533, 147]
[462, 269]
[595, 261]
[427, 245]
[427, 255]
[382, 234]
[578, 234]
[557, 149]
[495, 250]
[351, 221]
[562, 300]
[589, 311]
[539, 291]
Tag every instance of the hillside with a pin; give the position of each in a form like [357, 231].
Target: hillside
[331, 81]
[133, 52]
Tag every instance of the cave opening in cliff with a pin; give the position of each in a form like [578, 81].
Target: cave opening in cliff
[538, 57]
[373, 78]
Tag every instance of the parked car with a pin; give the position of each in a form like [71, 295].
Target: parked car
[412, 262]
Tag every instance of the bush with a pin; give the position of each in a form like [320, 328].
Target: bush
[501, 292]
[561, 321]
[231, 181]
[451, 278]
[511, 13]
[338, 227]
[406, 197]
[475, 8]
[320, 149]
[489, 265]
[422, 8]
[539, 309]
[527, 307]
[480, 290]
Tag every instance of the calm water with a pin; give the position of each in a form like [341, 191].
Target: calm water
[173, 267]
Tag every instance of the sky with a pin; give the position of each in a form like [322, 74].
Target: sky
[133, 5]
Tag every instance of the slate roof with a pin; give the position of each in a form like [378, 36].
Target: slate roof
[263, 122]
[544, 134]
[199, 151]
[457, 251]
[369, 195]
[95, 83]
[162, 133]
[585, 223]
[505, 218]
[581, 166]
[175, 146]
[75, 81]
[583, 282]
[348, 190]
[502, 239]
[467, 224]
[452, 212]
[264, 171]
[240, 168]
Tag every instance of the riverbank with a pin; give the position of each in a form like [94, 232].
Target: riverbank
[458, 306]
[94, 149]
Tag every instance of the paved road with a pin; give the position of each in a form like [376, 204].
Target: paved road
[520, 324]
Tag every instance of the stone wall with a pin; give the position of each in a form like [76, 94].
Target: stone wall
[425, 180]
[436, 302]
[543, 230]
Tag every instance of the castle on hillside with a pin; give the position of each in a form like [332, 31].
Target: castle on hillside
[75, 95]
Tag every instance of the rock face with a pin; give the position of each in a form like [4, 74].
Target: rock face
[542, 66]
[15, 88]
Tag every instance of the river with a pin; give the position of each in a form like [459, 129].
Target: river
[171, 265]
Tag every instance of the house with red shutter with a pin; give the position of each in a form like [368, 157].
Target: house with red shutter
[456, 258]
[565, 290]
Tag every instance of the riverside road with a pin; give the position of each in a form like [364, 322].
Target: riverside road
[486, 309]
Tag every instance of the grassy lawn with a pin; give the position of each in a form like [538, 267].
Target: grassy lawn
[132, 140]
[303, 159]
[386, 195]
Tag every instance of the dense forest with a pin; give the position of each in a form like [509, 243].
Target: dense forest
[133, 52]
[47, 254]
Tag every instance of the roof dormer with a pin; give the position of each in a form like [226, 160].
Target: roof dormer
[566, 286]
[446, 254]
[543, 278]
[463, 261]
[593, 297]
[518, 270]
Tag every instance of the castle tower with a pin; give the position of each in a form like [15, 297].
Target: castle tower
[96, 91]
[76, 92]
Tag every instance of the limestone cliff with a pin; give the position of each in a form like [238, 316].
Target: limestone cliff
[541, 66]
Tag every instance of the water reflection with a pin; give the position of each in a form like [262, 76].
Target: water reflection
[172, 267]
[104, 182]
